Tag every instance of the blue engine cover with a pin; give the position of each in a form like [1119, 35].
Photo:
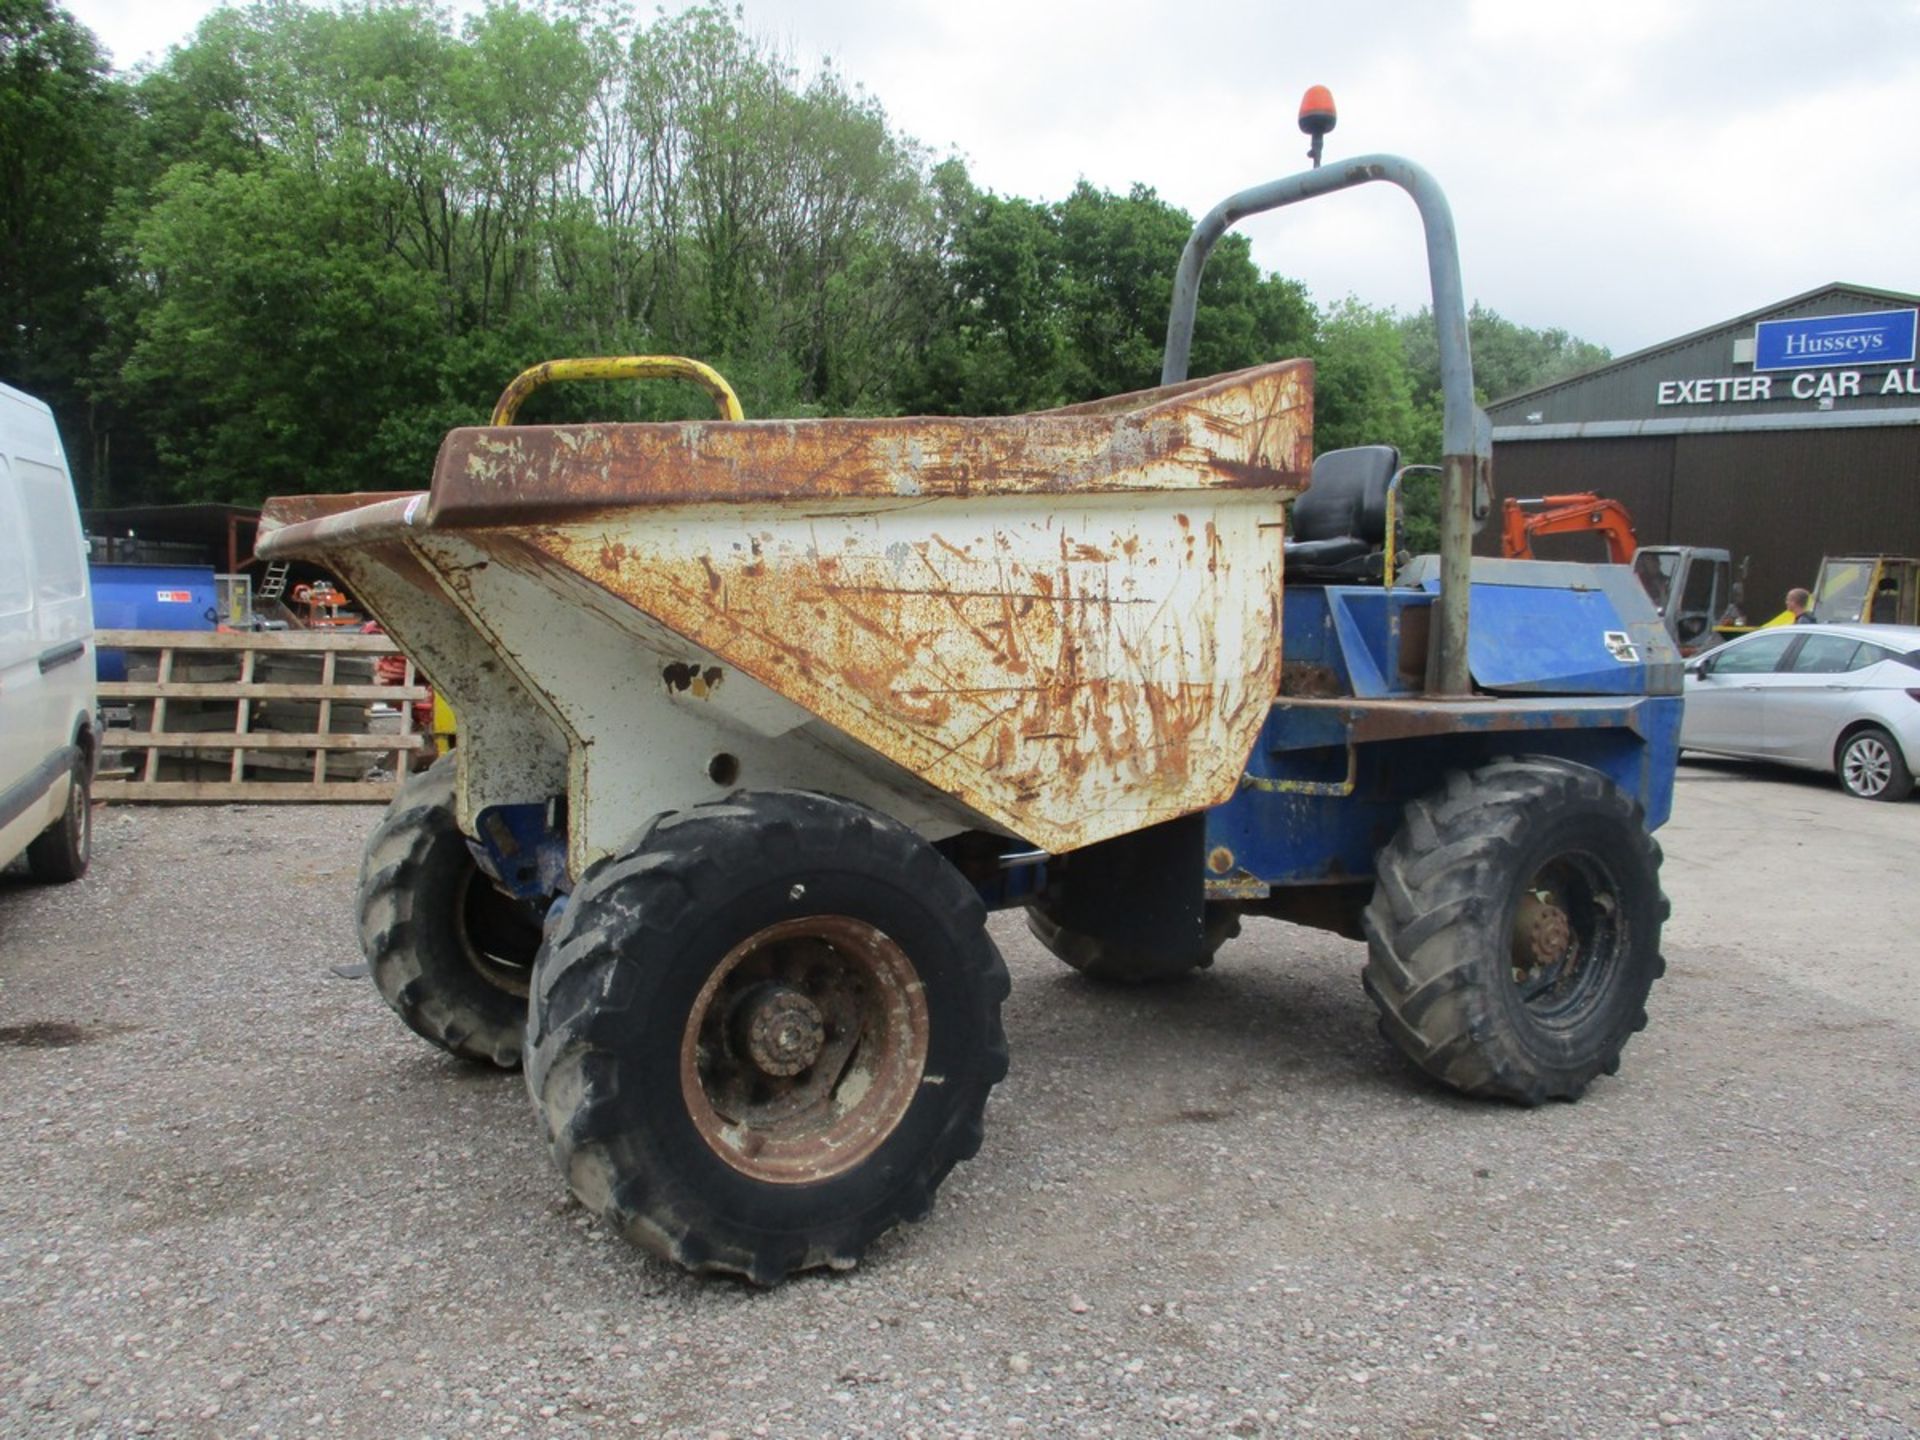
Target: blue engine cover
[1549, 628]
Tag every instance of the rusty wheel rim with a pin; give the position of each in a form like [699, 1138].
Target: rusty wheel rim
[804, 1049]
[498, 943]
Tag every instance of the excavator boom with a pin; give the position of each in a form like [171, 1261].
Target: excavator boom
[1524, 520]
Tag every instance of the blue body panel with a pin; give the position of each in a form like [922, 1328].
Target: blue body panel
[1280, 837]
[522, 849]
[1550, 641]
[1585, 673]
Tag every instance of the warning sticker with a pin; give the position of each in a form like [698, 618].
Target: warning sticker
[174, 597]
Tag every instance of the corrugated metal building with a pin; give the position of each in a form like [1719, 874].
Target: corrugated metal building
[1782, 435]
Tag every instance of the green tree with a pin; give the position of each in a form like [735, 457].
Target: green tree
[1363, 388]
[784, 219]
[336, 231]
[1118, 257]
[1507, 358]
[1049, 304]
[281, 345]
[1244, 317]
[1364, 394]
[1001, 347]
[59, 110]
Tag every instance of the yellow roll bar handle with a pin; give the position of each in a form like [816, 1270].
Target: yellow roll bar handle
[618, 367]
[1387, 565]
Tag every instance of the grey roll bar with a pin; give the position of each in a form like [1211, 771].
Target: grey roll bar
[1466, 436]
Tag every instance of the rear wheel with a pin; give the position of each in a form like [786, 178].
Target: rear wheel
[1514, 931]
[1871, 766]
[447, 950]
[64, 849]
[763, 1035]
[1114, 962]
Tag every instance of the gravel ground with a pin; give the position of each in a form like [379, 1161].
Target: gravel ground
[241, 1199]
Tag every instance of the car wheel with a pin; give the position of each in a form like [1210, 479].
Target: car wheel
[1871, 766]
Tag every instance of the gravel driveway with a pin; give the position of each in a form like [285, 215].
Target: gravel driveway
[240, 1199]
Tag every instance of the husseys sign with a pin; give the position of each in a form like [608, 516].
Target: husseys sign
[1827, 355]
[1880, 337]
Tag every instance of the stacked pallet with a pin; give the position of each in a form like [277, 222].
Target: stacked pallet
[287, 715]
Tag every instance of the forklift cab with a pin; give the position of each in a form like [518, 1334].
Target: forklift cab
[1691, 587]
[1874, 589]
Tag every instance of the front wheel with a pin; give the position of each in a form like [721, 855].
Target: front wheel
[1514, 930]
[764, 1034]
[447, 950]
[62, 851]
[1871, 766]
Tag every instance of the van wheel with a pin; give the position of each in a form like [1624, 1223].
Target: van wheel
[64, 849]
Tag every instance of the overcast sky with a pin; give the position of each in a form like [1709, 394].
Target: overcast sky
[1630, 170]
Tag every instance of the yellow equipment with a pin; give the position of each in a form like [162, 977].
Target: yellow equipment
[1870, 589]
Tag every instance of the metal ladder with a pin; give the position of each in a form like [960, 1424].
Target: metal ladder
[273, 584]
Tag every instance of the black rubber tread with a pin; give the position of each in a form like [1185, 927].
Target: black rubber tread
[61, 853]
[412, 876]
[1900, 778]
[1114, 964]
[1439, 924]
[614, 985]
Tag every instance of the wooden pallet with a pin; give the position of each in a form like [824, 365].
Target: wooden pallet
[182, 724]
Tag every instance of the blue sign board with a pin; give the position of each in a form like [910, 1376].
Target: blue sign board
[1879, 337]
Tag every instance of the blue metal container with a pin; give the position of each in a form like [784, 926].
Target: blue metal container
[150, 597]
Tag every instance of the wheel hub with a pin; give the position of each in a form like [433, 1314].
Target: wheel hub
[1542, 932]
[781, 1030]
[1868, 766]
[804, 1048]
[1567, 935]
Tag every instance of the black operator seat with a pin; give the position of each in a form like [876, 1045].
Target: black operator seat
[1340, 521]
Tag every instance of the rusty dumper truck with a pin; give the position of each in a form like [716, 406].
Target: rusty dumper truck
[760, 719]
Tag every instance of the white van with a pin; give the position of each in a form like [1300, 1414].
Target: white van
[48, 739]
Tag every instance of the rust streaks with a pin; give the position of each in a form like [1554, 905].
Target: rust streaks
[1071, 670]
[285, 510]
[1248, 429]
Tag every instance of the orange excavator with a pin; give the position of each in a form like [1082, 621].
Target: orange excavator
[1692, 586]
[1522, 520]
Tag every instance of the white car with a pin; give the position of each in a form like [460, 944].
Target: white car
[48, 738]
[1839, 698]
